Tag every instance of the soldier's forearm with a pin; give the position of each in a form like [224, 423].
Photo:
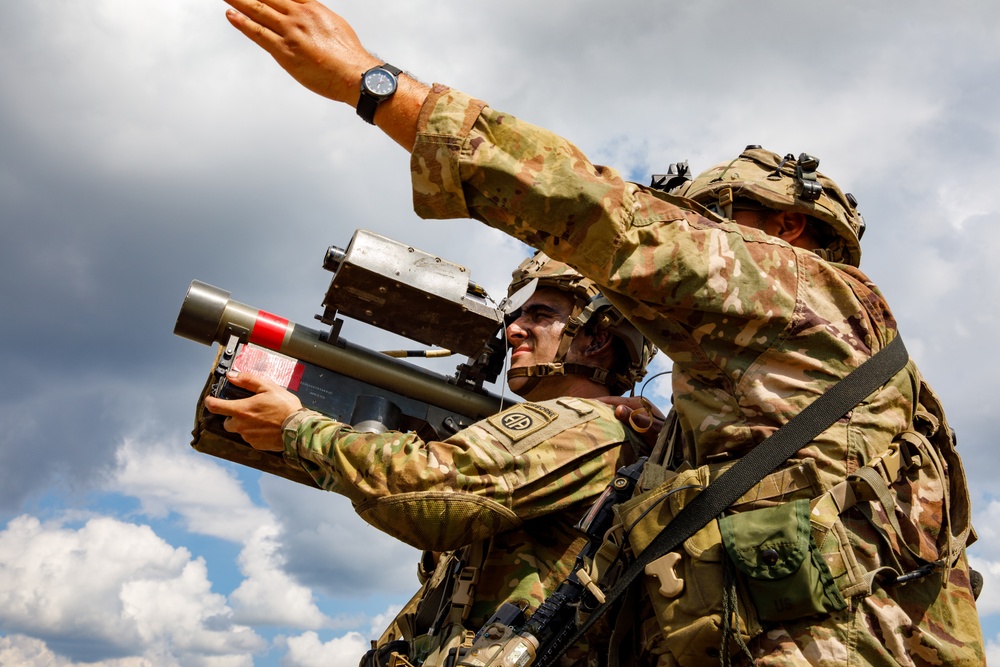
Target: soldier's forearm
[398, 115]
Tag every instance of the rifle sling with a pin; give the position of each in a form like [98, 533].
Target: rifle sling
[750, 469]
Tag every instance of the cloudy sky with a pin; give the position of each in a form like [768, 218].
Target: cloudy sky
[144, 144]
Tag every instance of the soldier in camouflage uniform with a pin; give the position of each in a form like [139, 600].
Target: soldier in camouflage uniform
[762, 308]
[502, 496]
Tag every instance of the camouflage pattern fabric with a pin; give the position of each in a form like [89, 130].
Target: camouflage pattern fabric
[757, 330]
[518, 481]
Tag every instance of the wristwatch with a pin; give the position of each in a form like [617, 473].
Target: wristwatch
[377, 85]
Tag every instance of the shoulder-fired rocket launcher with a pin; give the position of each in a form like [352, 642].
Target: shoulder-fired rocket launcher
[377, 281]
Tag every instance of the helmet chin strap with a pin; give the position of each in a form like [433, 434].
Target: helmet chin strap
[529, 386]
[536, 372]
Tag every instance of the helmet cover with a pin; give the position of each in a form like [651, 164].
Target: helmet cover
[783, 184]
[590, 305]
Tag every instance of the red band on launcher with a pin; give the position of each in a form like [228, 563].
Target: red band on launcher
[269, 330]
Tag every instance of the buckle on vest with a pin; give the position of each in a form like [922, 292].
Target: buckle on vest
[461, 599]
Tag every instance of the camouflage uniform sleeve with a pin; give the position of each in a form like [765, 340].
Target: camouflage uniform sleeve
[757, 329]
[660, 261]
[481, 481]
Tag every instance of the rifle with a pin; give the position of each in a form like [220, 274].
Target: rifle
[506, 640]
[377, 281]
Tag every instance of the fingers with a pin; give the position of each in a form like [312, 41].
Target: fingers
[638, 416]
[259, 436]
[261, 36]
[232, 407]
[314, 44]
[622, 411]
[220, 406]
[251, 382]
[264, 12]
[257, 418]
[260, 20]
[615, 400]
[625, 405]
[626, 408]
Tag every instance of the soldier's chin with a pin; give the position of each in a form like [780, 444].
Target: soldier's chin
[517, 385]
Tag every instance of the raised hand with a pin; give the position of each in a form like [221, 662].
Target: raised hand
[311, 42]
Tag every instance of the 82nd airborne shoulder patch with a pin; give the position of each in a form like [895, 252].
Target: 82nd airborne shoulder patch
[521, 427]
[522, 420]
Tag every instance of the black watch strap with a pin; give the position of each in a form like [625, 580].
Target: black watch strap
[368, 103]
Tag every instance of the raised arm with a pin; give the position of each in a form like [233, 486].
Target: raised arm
[320, 50]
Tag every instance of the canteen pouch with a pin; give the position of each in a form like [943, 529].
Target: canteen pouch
[773, 548]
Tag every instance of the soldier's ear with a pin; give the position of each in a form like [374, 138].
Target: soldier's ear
[789, 226]
[600, 342]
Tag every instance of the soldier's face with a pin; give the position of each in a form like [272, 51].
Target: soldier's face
[534, 336]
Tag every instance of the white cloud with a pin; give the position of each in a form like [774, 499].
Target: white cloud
[268, 595]
[119, 587]
[128, 590]
[381, 621]
[23, 651]
[968, 199]
[984, 556]
[986, 519]
[988, 603]
[993, 651]
[127, 117]
[171, 478]
[307, 650]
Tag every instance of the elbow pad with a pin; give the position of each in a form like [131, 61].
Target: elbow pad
[437, 520]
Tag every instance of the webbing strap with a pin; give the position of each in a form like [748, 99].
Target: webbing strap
[750, 469]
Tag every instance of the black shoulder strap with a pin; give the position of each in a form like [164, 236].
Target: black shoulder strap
[745, 473]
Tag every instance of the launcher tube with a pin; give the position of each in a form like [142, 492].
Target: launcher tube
[209, 316]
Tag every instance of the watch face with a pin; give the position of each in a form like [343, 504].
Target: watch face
[380, 82]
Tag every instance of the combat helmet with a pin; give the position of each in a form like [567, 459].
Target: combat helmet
[784, 184]
[590, 306]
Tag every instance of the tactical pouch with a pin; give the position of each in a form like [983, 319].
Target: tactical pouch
[784, 573]
[392, 654]
[435, 635]
[685, 586]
